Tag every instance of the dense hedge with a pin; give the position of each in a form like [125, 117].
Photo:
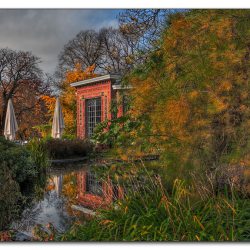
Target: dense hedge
[62, 148]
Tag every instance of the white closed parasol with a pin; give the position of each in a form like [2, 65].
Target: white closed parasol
[58, 122]
[10, 126]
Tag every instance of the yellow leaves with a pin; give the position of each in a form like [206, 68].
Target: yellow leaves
[205, 25]
[124, 157]
[129, 59]
[197, 237]
[200, 123]
[218, 104]
[171, 66]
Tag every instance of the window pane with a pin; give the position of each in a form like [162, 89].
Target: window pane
[93, 114]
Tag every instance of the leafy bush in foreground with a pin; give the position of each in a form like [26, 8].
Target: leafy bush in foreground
[18, 159]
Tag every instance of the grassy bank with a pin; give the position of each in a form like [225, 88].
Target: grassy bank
[150, 213]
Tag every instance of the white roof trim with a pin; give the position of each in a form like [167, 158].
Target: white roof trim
[96, 79]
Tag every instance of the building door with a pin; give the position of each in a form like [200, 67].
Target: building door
[93, 114]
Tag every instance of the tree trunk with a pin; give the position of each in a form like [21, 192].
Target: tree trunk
[3, 113]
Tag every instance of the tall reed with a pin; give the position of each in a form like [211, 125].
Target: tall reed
[39, 153]
[149, 213]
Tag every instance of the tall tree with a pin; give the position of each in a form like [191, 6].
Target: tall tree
[84, 49]
[20, 76]
[143, 27]
[117, 54]
[108, 49]
[194, 91]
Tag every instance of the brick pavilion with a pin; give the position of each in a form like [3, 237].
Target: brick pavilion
[94, 98]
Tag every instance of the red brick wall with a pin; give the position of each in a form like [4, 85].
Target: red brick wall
[102, 89]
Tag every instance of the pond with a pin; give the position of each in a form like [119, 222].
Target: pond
[69, 191]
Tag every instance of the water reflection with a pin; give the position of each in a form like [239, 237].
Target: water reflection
[65, 188]
[58, 181]
[51, 209]
[94, 193]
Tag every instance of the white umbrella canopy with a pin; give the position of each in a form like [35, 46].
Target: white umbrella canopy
[10, 126]
[58, 121]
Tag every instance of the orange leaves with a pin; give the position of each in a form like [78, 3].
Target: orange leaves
[5, 236]
[171, 118]
[105, 222]
[50, 103]
[144, 95]
[224, 28]
[179, 26]
[225, 85]
[78, 74]
[177, 111]
[218, 104]
[193, 94]
[68, 98]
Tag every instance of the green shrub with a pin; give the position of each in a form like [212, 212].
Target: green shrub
[61, 148]
[18, 159]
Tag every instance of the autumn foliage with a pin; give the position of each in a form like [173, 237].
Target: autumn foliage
[68, 97]
[192, 95]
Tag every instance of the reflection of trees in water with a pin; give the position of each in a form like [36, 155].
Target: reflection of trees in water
[51, 209]
[32, 191]
[69, 191]
[51, 200]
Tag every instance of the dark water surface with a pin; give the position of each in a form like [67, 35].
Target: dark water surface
[54, 205]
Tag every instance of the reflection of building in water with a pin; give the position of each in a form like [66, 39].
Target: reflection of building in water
[58, 180]
[94, 193]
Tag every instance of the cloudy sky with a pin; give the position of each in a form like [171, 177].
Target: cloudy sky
[45, 32]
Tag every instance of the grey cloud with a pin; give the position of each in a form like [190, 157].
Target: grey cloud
[45, 32]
